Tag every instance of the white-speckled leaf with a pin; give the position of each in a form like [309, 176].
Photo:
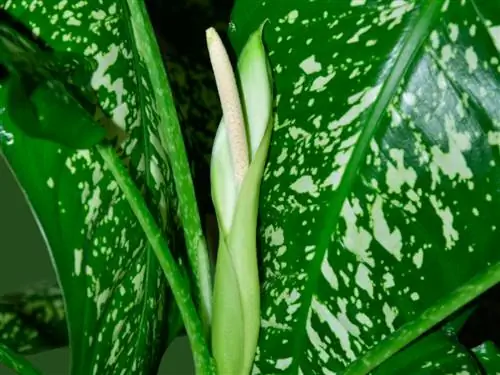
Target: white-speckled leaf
[382, 188]
[116, 297]
[489, 356]
[33, 321]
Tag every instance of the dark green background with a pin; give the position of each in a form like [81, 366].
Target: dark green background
[24, 261]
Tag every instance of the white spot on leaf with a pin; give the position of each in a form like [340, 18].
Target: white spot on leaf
[78, 253]
[305, 184]
[446, 216]
[310, 65]
[363, 279]
[390, 240]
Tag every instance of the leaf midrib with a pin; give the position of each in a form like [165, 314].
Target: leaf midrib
[414, 40]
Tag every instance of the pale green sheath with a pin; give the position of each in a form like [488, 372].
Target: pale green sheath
[237, 167]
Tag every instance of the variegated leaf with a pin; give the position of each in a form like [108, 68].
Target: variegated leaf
[381, 193]
[33, 321]
[116, 297]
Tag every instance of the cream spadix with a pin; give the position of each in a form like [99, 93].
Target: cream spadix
[236, 304]
[231, 104]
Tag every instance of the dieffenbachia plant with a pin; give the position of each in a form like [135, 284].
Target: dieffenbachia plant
[378, 205]
[238, 159]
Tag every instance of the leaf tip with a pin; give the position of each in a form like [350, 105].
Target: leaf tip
[261, 28]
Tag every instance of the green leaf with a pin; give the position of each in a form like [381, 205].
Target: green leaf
[379, 199]
[116, 298]
[81, 131]
[16, 362]
[37, 96]
[170, 138]
[175, 277]
[198, 108]
[489, 356]
[33, 321]
[435, 353]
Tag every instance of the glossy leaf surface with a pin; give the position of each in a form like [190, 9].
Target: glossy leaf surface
[381, 190]
[38, 95]
[435, 353]
[96, 244]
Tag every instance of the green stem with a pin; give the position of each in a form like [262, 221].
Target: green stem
[16, 362]
[172, 141]
[178, 284]
[429, 318]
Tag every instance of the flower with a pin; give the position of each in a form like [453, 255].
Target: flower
[238, 160]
